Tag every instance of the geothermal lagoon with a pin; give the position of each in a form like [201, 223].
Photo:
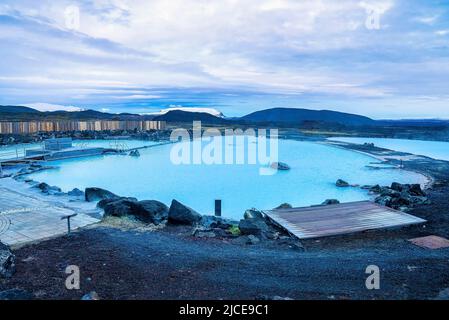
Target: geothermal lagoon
[314, 171]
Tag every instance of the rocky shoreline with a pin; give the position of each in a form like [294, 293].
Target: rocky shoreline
[398, 196]
[151, 135]
[395, 159]
[252, 229]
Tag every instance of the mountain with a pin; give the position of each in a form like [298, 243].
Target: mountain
[276, 116]
[188, 116]
[297, 116]
[17, 109]
[20, 113]
[87, 115]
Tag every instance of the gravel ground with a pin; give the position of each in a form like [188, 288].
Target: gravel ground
[168, 264]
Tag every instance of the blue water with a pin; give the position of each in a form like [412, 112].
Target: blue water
[311, 180]
[433, 149]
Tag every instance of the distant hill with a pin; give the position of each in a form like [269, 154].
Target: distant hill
[276, 116]
[17, 109]
[90, 115]
[187, 116]
[20, 113]
[211, 111]
[297, 116]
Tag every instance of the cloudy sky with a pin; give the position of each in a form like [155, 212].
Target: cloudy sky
[385, 58]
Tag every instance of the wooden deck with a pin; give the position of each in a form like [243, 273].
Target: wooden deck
[337, 219]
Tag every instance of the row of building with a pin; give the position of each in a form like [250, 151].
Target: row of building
[55, 126]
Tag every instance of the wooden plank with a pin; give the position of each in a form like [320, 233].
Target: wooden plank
[320, 221]
[323, 216]
[361, 221]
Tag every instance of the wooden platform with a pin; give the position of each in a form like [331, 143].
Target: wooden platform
[26, 217]
[322, 221]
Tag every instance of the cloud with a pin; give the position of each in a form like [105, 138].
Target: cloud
[138, 97]
[130, 50]
[442, 32]
[429, 20]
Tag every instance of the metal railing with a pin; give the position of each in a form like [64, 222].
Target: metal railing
[17, 152]
[120, 146]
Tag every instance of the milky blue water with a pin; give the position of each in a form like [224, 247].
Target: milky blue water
[433, 149]
[311, 180]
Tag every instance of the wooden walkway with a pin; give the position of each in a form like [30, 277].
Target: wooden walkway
[26, 218]
[337, 219]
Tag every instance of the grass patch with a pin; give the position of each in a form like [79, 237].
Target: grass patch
[128, 223]
[234, 230]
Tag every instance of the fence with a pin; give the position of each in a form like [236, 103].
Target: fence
[16, 152]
